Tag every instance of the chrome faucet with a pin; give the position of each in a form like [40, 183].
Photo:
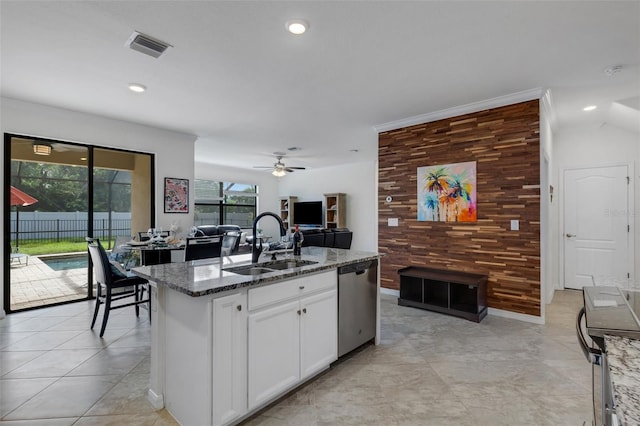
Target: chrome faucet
[257, 250]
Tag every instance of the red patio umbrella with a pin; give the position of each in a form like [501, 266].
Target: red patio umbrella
[19, 198]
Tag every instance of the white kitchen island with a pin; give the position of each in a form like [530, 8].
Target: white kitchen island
[224, 345]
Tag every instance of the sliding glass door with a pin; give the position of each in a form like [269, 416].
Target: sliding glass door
[122, 204]
[57, 194]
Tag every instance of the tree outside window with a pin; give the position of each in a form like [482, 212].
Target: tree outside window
[225, 203]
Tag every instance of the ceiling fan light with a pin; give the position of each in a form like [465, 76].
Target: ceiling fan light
[278, 172]
[41, 149]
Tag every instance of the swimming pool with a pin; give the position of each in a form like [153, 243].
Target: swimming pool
[62, 263]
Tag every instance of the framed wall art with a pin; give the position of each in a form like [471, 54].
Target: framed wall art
[176, 195]
[447, 193]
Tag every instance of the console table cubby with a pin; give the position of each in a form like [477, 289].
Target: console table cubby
[461, 294]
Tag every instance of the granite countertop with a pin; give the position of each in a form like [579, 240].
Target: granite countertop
[202, 277]
[623, 357]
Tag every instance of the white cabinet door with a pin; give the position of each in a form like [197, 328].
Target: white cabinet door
[274, 352]
[318, 332]
[229, 369]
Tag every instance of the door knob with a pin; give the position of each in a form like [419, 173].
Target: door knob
[570, 235]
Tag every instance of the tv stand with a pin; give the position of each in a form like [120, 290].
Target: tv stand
[455, 293]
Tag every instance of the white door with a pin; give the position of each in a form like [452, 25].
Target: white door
[596, 233]
[274, 351]
[318, 332]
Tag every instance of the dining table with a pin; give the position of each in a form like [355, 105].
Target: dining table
[155, 252]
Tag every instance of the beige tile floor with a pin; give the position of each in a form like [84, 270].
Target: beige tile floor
[430, 369]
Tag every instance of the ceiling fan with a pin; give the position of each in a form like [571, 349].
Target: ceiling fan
[279, 168]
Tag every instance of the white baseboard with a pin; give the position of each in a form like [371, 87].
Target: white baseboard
[516, 316]
[157, 401]
[492, 311]
[390, 292]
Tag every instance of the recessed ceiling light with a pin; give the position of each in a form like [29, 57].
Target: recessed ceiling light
[138, 88]
[589, 108]
[297, 26]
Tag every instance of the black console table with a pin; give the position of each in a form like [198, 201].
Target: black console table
[456, 293]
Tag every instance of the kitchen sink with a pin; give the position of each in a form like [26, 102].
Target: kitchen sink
[286, 264]
[249, 270]
[267, 267]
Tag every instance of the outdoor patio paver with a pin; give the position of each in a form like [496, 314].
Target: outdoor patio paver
[37, 284]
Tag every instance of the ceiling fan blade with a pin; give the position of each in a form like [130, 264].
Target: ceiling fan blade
[289, 169]
[297, 168]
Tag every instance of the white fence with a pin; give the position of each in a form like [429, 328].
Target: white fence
[59, 226]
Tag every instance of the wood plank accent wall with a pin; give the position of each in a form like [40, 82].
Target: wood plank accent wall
[505, 143]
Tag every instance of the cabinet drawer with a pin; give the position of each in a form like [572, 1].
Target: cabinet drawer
[306, 284]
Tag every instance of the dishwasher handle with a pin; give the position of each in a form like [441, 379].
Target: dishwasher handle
[593, 355]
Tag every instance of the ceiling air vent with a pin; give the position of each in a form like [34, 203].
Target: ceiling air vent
[147, 44]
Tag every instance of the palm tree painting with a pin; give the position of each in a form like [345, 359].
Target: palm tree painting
[447, 193]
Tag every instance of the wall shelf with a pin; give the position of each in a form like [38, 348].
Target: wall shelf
[461, 294]
[286, 210]
[335, 210]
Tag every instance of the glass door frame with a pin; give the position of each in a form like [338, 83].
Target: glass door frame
[6, 226]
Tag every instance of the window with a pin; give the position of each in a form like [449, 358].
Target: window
[225, 203]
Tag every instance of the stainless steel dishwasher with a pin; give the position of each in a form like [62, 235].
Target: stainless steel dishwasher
[357, 294]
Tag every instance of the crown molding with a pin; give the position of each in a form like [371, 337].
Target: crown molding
[513, 98]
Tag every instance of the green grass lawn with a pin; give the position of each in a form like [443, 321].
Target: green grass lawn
[35, 248]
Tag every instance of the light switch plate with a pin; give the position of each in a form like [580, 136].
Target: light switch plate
[392, 221]
[515, 225]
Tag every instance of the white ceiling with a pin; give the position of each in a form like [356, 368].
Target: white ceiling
[246, 87]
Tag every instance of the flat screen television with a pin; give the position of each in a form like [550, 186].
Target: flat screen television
[307, 213]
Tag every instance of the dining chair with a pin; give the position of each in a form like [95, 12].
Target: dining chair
[110, 278]
[230, 242]
[123, 254]
[202, 248]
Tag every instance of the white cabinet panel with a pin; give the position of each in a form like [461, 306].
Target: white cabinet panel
[229, 358]
[187, 333]
[318, 332]
[274, 352]
[292, 336]
[291, 289]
